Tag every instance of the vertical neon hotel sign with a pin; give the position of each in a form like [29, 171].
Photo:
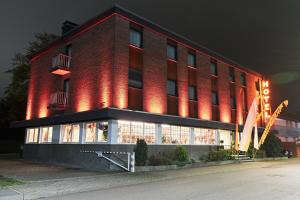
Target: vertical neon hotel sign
[266, 99]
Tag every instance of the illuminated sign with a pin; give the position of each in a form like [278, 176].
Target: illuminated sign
[266, 98]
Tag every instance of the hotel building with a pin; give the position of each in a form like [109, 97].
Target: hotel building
[120, 77]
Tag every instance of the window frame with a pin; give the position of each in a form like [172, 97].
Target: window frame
[135, 83]
[62, 136]
[217, 98]
[97, 127]
[214, 65]
[175, 87]
[42, 134]
[139, 32]
[195, 92]
[191, 54]
[172, 46]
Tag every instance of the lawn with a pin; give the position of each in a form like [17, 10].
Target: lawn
[4, 182]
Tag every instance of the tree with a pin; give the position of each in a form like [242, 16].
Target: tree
[273, 145]
[13, 103]
[141, 152]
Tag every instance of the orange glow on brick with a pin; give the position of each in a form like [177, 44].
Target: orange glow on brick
[154, 105]
[83, 103]
[43, 111]
[60, 72]
[225, 117]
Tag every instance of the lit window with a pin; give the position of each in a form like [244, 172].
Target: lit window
[214, 98]
[192, 93]
[175, 134]
[231, 74]
[172, 88]
[46, 134]
[135, 78]
[32, 135]
[136, 37]
[191, 60]
[102, 131]
[225, 138]
[205, 136]
[130, 131]
[214, 68]
[172, 52]
[70, 133]
[90, 132]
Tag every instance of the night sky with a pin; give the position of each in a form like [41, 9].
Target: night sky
[261, 35]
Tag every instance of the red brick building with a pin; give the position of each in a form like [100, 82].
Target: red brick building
[119, 77]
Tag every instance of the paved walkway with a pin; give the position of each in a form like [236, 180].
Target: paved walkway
[46, 181]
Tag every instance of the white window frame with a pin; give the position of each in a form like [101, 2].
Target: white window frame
[41, 135]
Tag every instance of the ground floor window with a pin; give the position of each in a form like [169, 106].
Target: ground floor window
[205, 136]
[130, 131]
[32, 135]
[225, 138]
[46, 134]
[175, 134]
[70, 133]
[96, 132]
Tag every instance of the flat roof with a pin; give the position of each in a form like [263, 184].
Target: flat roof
[130, 16]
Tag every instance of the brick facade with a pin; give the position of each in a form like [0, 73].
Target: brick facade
[99, 75]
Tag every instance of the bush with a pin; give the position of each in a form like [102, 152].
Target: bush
[159, 160]
[219, 155]
[181, 154]
[141, 152]
[272, 146]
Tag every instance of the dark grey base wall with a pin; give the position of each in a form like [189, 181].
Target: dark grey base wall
[70, 155]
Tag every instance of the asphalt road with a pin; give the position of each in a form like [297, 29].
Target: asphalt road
[277, 180]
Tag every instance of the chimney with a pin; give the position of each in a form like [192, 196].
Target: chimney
[67, 26]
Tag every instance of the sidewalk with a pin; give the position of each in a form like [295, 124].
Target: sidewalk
[72, 182]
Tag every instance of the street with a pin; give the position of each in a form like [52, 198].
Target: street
[270, 180]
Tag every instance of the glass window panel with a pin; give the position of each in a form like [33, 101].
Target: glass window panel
[102, 131]
[135, 38]
[205, 136]
[225, 136]
[46, 134]
[90, 132]
[172, 87]
[215, 99]
[231, 74]
[214, 68]
[171, 52]
[70, 133]
[175, 134]
[135, 78]
[130, 131]
[192, 93]
[191, 60]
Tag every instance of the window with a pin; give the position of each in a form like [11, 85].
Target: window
[232, 102]
[172, 52]
[32, 135]
[46, 134]
[96, 132]
[243, 79]
[191, 59]
[205, 136]
[70, 133]
[172, 88]
[130, 131]
[244, 99]
[192, 93]
[136, 38]
[90, 132]
[135, 78]
[175, 134]
[214, 98]
[231, 74]
[225, 138]
[69, 50]
[213, 68]
[66, 86]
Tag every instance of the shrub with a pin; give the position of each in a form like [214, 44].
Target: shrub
[272, 146]
[219, 155]
[181, 154]
[159, 160]
[141, 152]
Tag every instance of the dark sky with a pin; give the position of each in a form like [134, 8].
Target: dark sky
[261, 35]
